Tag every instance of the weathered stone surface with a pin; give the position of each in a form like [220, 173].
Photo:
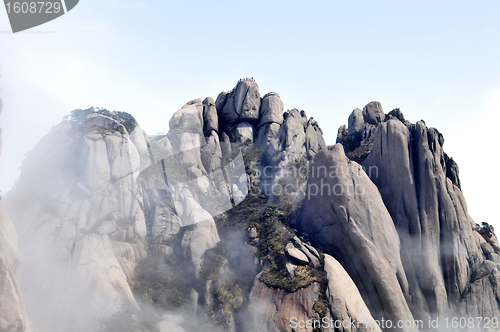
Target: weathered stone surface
[211, 154]
[271, 309]
[314, 138]
[238, 196]
[221, 101]
[98, 172]
[128, 255]
[357, 139]
[342, 133]
[244, 133]
[493, 241]
[103, 124]
[141, 142]
[356, 121]
[296, 255]
[296, 142]
[196, 240]
[124, 159]
[161, 149]
[166, 224]
[452, 172]
[396, 113]
[85, 190]
[296, 139]
[210, 116]
[243, 103]
[225, 144]
[189, 117]
[99, 285]
[309, 251]
[404, 244]
[271, 110]
[290, 139]
[442, 254]
[393, 173]
[107, 227]
[346, 303]
[265, 134]
[290, 268]
[373, 113]
[354, 226]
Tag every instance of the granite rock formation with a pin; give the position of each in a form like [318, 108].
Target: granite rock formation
[186, 232]
[398, 200]
[81, 222]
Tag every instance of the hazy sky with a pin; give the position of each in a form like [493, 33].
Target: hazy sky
[435, 61]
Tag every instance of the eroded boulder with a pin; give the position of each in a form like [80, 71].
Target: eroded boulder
[84, 200]
[346, 303]
[373, 113]
[242, 103]
[210, 116]
[276, 310]
[271, 110]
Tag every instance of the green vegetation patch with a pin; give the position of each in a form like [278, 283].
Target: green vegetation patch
[359, 154]
[213, 259]
[485, 229]
[161, 282]
[227, 290]
[274, 232]
[277, 277]
[79, 117]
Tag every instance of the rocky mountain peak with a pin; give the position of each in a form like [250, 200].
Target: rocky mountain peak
[241, 103]
[240, 218]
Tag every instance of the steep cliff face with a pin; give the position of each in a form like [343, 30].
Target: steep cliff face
[208, 227]
[400, 211]
[429, 210]
[80, 218]
[348, 219]
[13, 314]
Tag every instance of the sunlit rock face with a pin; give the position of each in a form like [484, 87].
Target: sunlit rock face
[350, 221]
[272, 309]
[397, 213]
[375, 227]
[82, 228]
[13, 314]
[346, 303]
[441, 250]
[242, 103]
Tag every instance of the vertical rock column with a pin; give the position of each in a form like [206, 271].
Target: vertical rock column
[271, 118]
[345, 215]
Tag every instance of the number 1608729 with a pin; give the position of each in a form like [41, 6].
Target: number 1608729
[33, 7]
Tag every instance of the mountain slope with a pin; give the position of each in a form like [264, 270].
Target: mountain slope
[240, 218]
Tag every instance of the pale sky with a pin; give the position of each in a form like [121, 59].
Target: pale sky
[435, 61]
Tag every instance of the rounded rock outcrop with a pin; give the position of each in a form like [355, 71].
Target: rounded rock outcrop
[242, 103]
[373, 113]
[271, 110]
